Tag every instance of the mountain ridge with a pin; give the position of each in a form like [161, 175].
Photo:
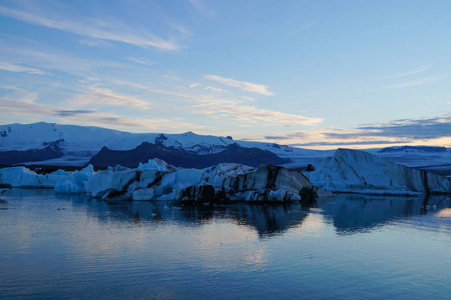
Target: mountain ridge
[78, 144]
[180, 157]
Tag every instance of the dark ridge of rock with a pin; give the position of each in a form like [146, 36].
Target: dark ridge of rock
[422, 149]
[51, 151]
[182, 158]
[159, 140]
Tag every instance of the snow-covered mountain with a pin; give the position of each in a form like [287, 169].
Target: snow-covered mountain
[76, 145]
[71, 145]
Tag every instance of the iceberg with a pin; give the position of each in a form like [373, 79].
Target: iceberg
[361, 172]
[156, 180]
[60, 180]
[349, 171]
[220, 183]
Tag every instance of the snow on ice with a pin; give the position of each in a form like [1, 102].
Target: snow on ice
[361, 172]
[346, 171]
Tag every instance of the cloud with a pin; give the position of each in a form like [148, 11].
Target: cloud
[419, 70]
[405, 129]
[413, 128]
[97, 95]
[55, 61]
[360, 143]
[66, 113]
[245, 98]
[201, 7]
[141, 61]
[180, 28]
[25, 96]
[150, 89]
[32, 111]
[303, 28]
[91, 28]
[290, 136]
[245, 86]
[276, 137]
[18, 68]
[95, 43]
[175, 78]
[213, 89]
[229, 108]
[416, 82]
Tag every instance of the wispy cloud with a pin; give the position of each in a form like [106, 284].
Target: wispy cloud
[290, 136]
[412, 128]
[292, 33]
[173, 77]
[419, 70]
[403, 131]
[98, 95]
[272, 137]
[399, 130]
[201, 7]
[354, 143]
[32, 111]
[416, 82]
[91, 28]
[178, 27]
[141, 61]
[95, 43]
[18, 68]
[25, 96]
[60, 61]
[250, 113]
[68, 112]
[151, 89]
[245, 86]
[213, 89]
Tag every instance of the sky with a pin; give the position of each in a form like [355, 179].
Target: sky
[313, 74]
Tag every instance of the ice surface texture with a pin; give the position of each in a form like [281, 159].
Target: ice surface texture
[362, 172]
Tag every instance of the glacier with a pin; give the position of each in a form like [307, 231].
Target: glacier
[361, 172]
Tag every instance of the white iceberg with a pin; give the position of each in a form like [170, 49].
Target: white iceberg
[156, 180]
[361, 172]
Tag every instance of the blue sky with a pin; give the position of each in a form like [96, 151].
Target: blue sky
[316, 74]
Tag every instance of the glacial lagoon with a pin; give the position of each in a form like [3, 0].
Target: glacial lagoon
[347, 247]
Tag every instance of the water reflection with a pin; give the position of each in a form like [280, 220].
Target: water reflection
[3, 204]
[267, 220]
[351, 213]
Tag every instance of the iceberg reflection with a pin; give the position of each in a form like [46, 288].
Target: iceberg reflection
[348, 213]
[352, 213]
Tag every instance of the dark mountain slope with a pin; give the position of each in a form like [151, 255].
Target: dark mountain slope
[51, 151]
[407, 149]
[182, 158]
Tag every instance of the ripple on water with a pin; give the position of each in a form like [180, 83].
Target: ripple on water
[352, 246]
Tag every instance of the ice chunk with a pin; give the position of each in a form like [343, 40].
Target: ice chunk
[359, 171]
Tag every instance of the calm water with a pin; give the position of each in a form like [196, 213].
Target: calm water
[350, 247]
